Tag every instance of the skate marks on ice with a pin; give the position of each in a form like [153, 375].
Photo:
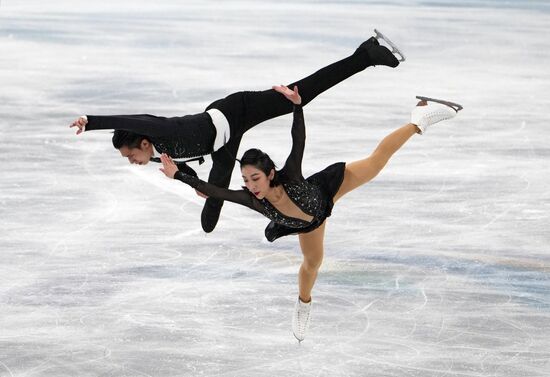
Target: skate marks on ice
[439, 267]
[406, 318]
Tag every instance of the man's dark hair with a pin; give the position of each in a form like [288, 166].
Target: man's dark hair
[122, 138]
[260, 161]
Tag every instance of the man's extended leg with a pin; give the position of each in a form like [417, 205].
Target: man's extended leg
[261, 106]
[245, 110]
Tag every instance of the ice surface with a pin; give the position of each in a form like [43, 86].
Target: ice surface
[439, 267]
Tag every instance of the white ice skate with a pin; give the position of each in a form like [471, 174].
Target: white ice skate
[300, 319]
[434, 111]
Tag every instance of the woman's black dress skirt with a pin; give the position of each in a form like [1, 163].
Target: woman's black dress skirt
[329, 181]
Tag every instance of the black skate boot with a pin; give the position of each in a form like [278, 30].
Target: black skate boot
[372, 41]
[210, 214]
[381, 55]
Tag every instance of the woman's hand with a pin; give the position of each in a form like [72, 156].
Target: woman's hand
[80, 123]
[201, 194]
[169, 167]
[291, 95]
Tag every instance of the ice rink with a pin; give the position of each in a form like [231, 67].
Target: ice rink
[438, 267]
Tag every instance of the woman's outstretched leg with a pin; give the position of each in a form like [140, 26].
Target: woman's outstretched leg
[358, 173]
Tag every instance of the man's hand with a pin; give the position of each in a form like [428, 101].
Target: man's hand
[291, 95]
[169, 167]
[81, 122]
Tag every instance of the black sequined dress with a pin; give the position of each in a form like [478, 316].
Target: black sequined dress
[312, 195]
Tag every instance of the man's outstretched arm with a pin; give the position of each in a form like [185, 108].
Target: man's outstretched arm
[142, 124]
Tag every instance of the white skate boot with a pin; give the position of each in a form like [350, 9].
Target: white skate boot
[300, 319]
[427, 113]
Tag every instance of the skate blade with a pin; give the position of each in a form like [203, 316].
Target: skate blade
[455, 106]
[298, 339]
[394, 48]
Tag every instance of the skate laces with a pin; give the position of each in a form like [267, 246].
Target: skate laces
[303, 312]
[438, 115]
[433, 113]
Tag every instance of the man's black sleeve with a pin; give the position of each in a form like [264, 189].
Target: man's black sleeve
[142, 124]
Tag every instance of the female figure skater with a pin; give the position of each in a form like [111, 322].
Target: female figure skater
[298, 205]
[219, 129]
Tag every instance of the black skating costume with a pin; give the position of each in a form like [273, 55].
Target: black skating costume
[313, 195]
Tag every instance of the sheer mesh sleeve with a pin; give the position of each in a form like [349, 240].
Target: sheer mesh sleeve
[241, 197]
[293, 164]
[186, 169]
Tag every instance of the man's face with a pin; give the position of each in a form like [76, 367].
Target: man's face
[139, 155]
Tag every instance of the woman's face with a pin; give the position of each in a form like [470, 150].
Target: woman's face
[256, 181]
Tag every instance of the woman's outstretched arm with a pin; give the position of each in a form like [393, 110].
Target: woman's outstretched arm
[236, 196]
[293, 164]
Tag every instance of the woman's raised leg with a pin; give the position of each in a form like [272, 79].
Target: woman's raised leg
[359, 172]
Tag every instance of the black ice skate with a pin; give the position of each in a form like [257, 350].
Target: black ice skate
[211, 214]
[381, 55]
[394, 49]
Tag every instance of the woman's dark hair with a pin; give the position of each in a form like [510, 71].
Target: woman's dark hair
[260, 161]
[122, 138]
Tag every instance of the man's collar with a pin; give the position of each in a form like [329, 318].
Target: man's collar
[156, 157]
